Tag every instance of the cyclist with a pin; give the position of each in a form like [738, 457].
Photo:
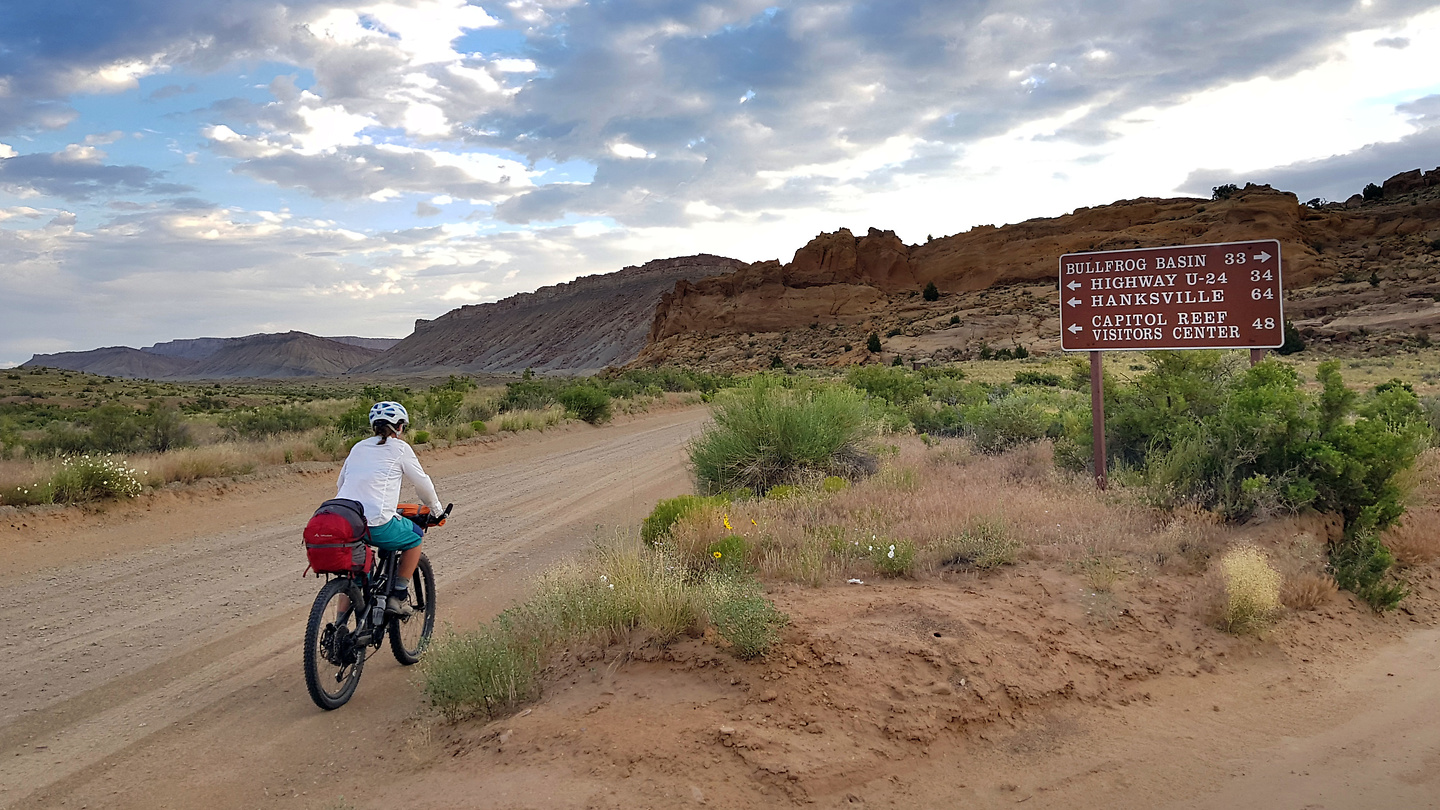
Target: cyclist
[371, 475]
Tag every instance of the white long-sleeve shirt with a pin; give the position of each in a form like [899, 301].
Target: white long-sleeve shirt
[372, 473]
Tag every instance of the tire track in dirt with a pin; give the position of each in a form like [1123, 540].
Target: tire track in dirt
[115, 656]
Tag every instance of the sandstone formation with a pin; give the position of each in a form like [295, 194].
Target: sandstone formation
[998, 283]
[580, 326]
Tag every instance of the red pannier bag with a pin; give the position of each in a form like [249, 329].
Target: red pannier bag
[335, 538]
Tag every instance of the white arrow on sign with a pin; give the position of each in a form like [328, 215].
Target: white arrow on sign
[1263, 257]
[1074, 327]
[1074, 302]
[1074, 285]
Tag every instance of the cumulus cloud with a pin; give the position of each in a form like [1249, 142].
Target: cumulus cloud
[77, 173]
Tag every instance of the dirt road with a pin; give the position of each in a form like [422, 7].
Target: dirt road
[166, 674]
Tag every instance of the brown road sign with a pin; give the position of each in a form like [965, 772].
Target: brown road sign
[1225, 296]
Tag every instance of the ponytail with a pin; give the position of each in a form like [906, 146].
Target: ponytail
[384, 430]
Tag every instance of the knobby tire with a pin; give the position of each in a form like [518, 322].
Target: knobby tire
[332, 685]
[409, 637]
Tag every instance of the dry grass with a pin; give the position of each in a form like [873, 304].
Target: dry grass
[1252, 590]
[1416, 540]
[960, 511]
[530, 420]
[1308, 591]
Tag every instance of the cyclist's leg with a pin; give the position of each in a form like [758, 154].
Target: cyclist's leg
[409, 558]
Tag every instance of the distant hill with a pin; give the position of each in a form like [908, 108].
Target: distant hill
[581, 326]
[287, 354]
[114, 361]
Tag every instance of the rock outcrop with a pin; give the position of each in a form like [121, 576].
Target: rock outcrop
[580, 326]
[998, 283]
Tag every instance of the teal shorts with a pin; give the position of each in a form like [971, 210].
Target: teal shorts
[400, 534]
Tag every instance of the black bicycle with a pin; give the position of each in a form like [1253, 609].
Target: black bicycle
[349, 619]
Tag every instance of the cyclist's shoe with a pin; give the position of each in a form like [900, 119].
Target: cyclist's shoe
[399, 605]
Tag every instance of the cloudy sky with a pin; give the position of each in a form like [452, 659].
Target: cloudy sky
[187, 168]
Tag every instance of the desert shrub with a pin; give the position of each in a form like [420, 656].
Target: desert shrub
[1045, 378]
[896, 559]
[872, 343]
[747, 620]
[931, 293]
[729, 553]
[1010, 420]
[479, 427]
[832, 484]
[1361, 564]
[91, 478]
[1307, 591]
[1294, 342]
[529, 393]
[982, 546]
[657, 525]
[765, 435]
[894, 385]
[1224, 191]
[162, 428]
[59, 439]
[259, 423]
[1252, 590]
[1259, 443]
[586, 402]
[1372, 192]
[785, 492]
[421, 437]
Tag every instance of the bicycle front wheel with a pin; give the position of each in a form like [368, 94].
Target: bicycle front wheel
[411, 635]
[333, 659]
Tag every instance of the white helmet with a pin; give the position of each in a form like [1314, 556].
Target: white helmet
[392, 412]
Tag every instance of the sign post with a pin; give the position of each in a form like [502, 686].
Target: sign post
[1218, 296]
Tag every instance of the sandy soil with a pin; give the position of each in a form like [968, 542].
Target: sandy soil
[156, 664]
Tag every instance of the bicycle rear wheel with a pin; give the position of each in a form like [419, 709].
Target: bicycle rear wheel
[333, 660]
[410, 636]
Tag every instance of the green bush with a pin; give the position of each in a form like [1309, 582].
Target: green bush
[586, 402]
[931, 293]
[765, 435]
[422, 437]
[895, 386]
[260, 423]
[833, 484]
[479, 427]
[731, 553]
[657, 525]
[1294, 342]
[749, 622]
[1010, 420]
[1253, 441]
[873, 343]
[1044, 378]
